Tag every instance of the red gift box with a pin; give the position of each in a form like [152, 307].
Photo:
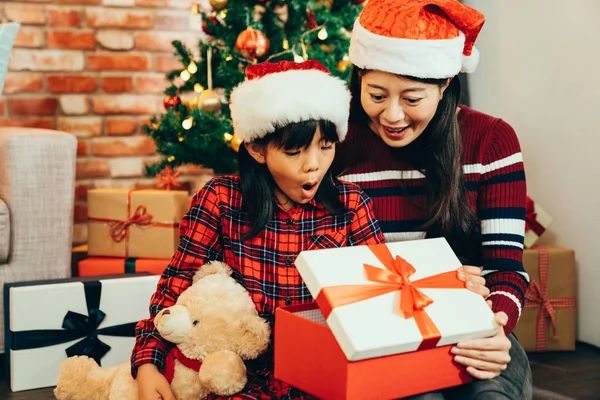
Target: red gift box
[96, 266]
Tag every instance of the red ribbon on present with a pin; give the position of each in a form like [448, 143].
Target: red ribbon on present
[395, 277]
[531, 222]
[167, 177]
[118, 229]
[537, 297]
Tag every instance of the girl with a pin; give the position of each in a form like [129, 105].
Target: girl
[436, 168]
[285, 200]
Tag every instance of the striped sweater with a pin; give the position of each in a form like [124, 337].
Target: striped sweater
[495, 181]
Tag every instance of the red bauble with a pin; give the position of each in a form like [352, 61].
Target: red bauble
[208, 28]
[171, 101]
[252, 44]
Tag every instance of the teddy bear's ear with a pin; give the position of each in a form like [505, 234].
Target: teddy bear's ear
[212, 268]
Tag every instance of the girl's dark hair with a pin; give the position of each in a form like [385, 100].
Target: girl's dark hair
[257, 184]
[439, 154]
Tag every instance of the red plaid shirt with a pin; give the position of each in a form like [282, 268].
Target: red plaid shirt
[264, 265]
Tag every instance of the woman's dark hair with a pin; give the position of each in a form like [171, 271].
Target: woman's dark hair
[257, 184]
[440, 156]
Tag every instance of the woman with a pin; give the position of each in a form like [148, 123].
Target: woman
[436, 168]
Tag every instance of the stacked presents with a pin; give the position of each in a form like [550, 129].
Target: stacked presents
[548, 319]
[133, 230]
[95, 313]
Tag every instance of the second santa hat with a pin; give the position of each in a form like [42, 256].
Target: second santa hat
[424, 39]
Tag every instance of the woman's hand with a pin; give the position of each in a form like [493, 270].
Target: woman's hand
[473, 280]
[152, 385]
[485, 358]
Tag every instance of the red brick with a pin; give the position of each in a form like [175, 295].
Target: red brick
[117, 62]
[115, 40]
[80, 126]
[46, 60]
[46, 123]
[115, 18]
[180, 4]
[165, 63]
[82, 40]
[83, 148]
[80, 212]
[120, 126]
[19, 82]
[1, 106]
[33, 106]
[156, 41]
[173, 20]
[64, 17]
[72, 83]
[92, 168]
[82, 2]
[131, 146]
[125, 104]
[152, 3]
[29, 37]
[117, 84]
[25, 14]
[81, 190]
[150, 83]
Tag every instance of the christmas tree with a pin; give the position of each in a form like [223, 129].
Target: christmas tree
[196, 127]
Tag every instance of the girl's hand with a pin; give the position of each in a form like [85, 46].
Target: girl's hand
[473, 279]
[152, 385]
[485, 358]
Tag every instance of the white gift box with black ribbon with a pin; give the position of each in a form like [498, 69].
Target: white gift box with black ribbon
[48, 321]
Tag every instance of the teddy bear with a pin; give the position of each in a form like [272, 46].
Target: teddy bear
[214, 326]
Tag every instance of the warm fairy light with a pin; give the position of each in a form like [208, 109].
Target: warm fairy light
[192, 68]
[185, 75]
[322, 34]
[227, 136]
[187, 123]
[229, 58]
[198, 88]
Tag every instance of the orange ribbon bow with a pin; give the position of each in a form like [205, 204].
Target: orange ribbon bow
[395, 277]
[167, 177]
[140, 217]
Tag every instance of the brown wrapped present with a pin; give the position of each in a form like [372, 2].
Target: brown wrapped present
[548, 319]
[135, 223]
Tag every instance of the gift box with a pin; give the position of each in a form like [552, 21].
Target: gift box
[537, 221]
[547, 320]
[397, 307]
[97, 266]
[48, 321]
[135, 223]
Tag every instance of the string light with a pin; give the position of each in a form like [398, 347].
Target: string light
[185, 75]
[322, 34]
[229, 58]
[181, 138]
[227, 136]
[286, 44]
[198, 88]
[171, 159]
[187, 123]
[192, 68]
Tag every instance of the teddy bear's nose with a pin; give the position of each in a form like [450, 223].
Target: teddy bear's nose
[166, 312]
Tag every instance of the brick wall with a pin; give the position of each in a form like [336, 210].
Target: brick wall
[95, 68]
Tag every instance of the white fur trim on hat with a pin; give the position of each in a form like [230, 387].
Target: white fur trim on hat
[419, 58]
[259, 106]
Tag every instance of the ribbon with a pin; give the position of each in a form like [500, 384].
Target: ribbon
[130, 265]
[77, 326]
[118, 229]
[167, 177]
[395, 277]
[176, 354]
[537, 297]
[531, 223]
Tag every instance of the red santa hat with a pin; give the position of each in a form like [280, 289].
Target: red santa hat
[278, 94]
[424, 39]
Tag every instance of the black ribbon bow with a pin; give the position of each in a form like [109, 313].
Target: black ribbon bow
[76, 326]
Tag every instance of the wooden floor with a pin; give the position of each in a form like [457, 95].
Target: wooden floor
[556, 376]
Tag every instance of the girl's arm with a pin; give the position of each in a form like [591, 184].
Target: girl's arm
[199, 243]
[501, 210]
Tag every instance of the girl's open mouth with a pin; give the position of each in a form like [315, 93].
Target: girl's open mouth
[309, 190]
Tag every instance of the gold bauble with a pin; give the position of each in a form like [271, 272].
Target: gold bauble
[235, 143]
[209, 101]
[343, 65]
[218, 5]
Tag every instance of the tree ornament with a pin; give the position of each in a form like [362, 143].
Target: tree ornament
[235, 143]
[209, 27]
[343, 65]
[218, 5]
[311, 16]
[167, 178]
[252, 44]
[209, 101]
[171, 101]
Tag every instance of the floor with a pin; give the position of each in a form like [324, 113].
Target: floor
[556, 376]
